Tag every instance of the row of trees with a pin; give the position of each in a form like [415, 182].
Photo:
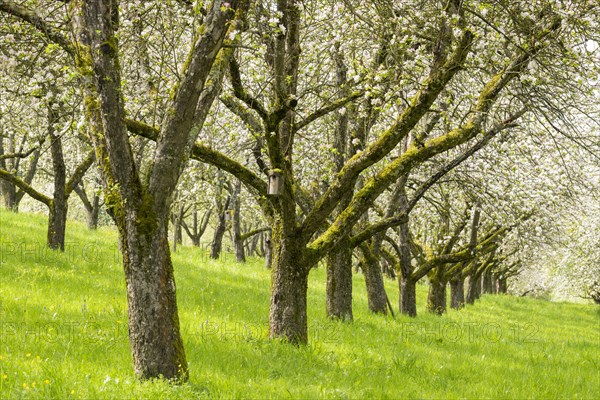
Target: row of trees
[393, 134]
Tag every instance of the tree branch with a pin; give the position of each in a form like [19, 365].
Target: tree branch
[34, 19]
[7, 176]
[80, 172]
[336, 105]
[241, 93]
[201, 152]
[255, 232]
[421, 103]
[18, 155]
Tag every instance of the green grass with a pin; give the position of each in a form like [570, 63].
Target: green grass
[63, 334]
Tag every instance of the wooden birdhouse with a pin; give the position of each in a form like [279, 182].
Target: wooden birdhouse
[275, 183]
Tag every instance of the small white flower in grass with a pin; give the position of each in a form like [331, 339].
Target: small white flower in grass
[107, 379]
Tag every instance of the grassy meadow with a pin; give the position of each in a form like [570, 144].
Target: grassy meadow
[63, 334]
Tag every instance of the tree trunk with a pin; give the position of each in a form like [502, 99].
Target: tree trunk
[376, 295]
[217, 243]
[268, 251]
[154, 335]
[7, 189]
[195, 237]
[177, 229]
[408, 296]
[197, 229]
[436, 299]
[9, 193]
[142, 211]
[92, 216]
[252, 246]
[473, 288]
[57, 215]
[238, 243]
[339, 284]
[502, 286]
[339, 261]
[287, 318]
[457, 293]
[57, 224]
[488, 283]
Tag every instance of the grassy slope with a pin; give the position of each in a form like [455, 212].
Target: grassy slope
[63, 334]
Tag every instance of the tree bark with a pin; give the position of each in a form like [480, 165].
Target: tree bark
[177, 217]
[195, 237]
[502, 286]
[436, 298]
[8, 189]
[154, 334]
[57, 215]
[339, 284]
[197, 229]
[488, 283]
[287, 317]
[268, 251]
[238, 243]
[376, 296]
[339, 261]
[473, 288]
[92, 216]
[408, 296]
[457, 293]
[217, 243]
[9, 194]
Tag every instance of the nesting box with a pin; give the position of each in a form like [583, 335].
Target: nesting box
[228, 215]
[275, 183]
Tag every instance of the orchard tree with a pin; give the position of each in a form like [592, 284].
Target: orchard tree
[140, 205]
[302, 230]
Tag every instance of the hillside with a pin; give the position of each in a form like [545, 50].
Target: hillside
[63, 334]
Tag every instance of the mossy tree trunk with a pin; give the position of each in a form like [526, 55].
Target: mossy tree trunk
[154, 334]
[436, 298]
[141, 210]
[289, 277]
